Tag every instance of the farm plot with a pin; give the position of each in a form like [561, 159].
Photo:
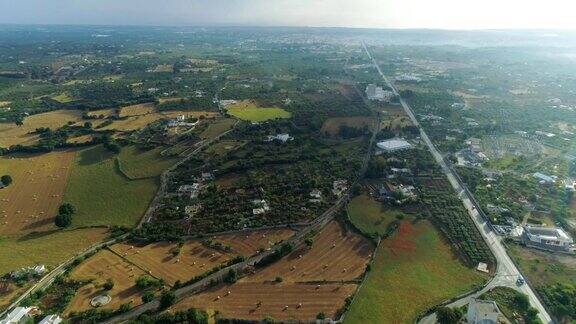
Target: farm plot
[279, 301]
[413, 270]
[217, 127]
[31, 201]
[9, 291]
[248, 244]
[102, 113]
[10, 134]
[222, 147]
[248, 110]
[136, 122]
[49, 248]
[139, 164]
[103, 266]
[136, 110]
[102, 195]
[332, 125]
[335, 255]
[159, 261]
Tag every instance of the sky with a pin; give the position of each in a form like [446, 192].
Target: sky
[440, 14]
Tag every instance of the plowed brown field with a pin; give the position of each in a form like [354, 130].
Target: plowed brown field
[248, 244]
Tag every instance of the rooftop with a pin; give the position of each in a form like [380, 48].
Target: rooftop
[394, 144]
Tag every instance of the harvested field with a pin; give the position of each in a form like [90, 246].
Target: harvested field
[332, 125]
[194, 259]
[136, 122]
[335, 255]
[139, 164]
[102, 195]
[10, 134]
[49, 248]
[413, 270]
[103, 113]
[222, 147]
[80, 139]
[4, 103]
[103, 266]
[31, 201]
[242, 301]
[217, 127]
[248, 244]
[136, 110]
[171, 99]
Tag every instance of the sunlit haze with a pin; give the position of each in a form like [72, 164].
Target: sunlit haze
[444, 14]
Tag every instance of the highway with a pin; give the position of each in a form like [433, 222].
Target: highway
[506, 271]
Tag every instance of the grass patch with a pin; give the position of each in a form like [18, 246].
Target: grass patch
[413, 271]
[102, 195]
[371, 216]
[543, 268]
[64, 97]
[506, 298]
[246, 110]
[218, 127]
[50, 248]
[332, 125]
[138, 164]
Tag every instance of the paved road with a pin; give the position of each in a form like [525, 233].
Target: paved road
[295, 240]
[506, 271]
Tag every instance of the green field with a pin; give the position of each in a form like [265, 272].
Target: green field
[413, 270]
[218, 127]
[506, 298]
[48, 248]
[102, 195]
[140, 164]
[370, 216]
[63, 97]
[255, 114]
[542, 268]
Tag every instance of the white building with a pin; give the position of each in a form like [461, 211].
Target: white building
[393, 145]
[549, 238]
[544, 179]
[51, 319]
[19, 315]
[262, 206]
[482, 312]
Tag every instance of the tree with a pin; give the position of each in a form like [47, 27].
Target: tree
[309, 242]
[147, 297]
[6, 180]
[64, 217]
[109, 284]
[231, 277]
[167, 299]
[321, 316]
[446, 315]
[63, 220]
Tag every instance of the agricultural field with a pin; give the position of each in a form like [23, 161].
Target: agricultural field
[332, 125]
[136, 163]
[49, 248]
[63, 97]
[136, 122]
[217, 127]
[30, 203]
[158, 259]
[221, 148]
[102, 195]
[249, 243]
[99, 268]
[102, 113]
[9, 291]
[371, 216]
[336, 254]
[11, 134]
[136, 110]
[256, 301]
[248, 110]
[543, 268]
[409, 275]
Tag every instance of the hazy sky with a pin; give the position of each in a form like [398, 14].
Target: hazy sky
[449, 14]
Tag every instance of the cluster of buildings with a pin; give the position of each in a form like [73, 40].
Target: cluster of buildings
[180, 121]
[339, 187]
[315, 196]
[193, 191]
[377, 93]
[544, 179]
[279, 137]
[20, 315]
[34, 271]
[472, 155]
[261, 206]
